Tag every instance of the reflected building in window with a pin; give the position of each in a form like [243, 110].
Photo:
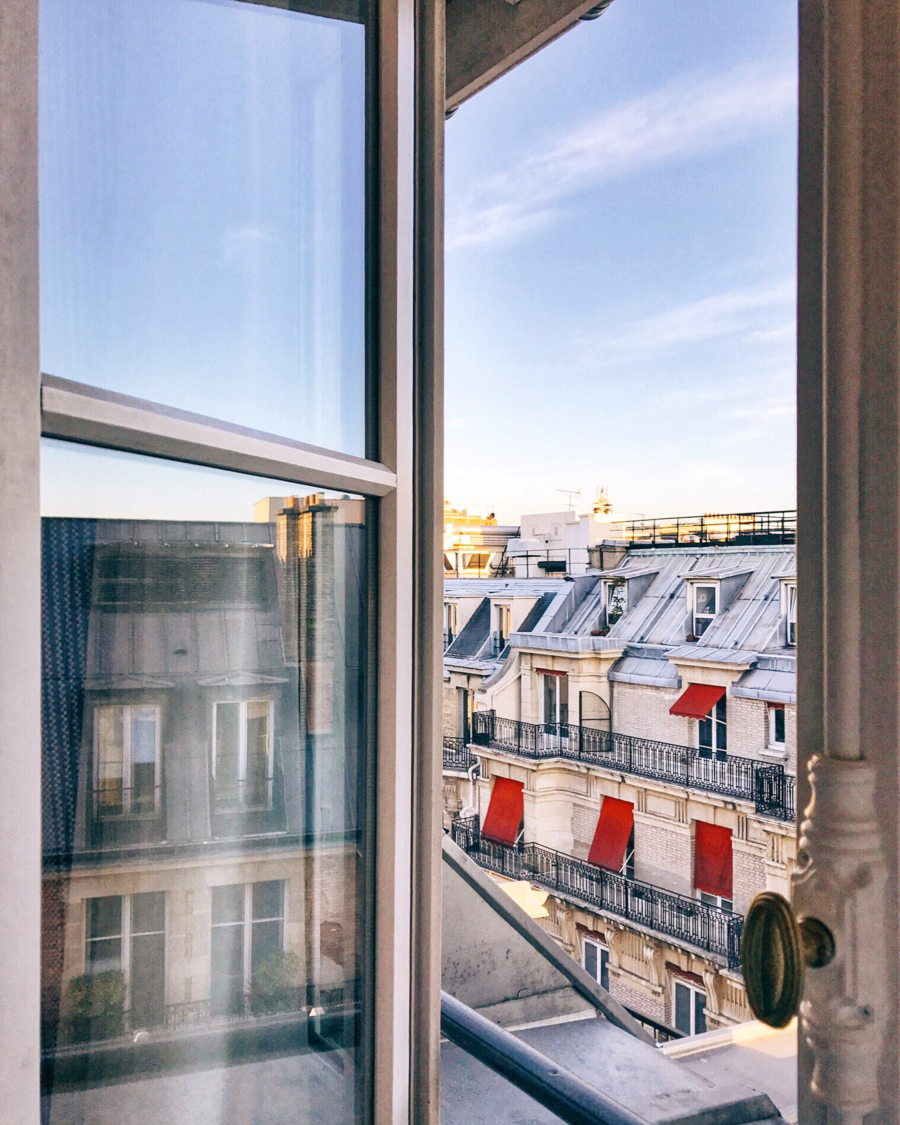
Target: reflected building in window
[203, 742]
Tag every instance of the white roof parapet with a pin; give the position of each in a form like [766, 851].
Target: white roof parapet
[565, 642]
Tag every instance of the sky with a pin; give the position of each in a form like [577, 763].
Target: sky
[620, 267]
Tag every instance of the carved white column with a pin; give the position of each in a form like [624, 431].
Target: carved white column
[849, 553]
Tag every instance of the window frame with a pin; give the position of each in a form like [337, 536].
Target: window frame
[789, 612]
[717, 718]
[706, 618]
[126, 935]
[693, 991]
[602, 959]
[127, 761]
[403, 484]
[247, 922]
[243, 705]
[773, 743]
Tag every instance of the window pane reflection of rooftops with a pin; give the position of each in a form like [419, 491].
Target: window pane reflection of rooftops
[204, 763]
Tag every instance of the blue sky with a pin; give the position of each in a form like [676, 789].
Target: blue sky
[621, 227]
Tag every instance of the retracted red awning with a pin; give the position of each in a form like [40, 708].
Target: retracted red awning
[504, 815]
[697, 700]
[713, 861]
[613, 830]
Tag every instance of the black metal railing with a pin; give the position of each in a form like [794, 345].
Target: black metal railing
[686, 919]
[126, 816]
[457, 755]
[661, 1032]
[721, 528]
[769, 786]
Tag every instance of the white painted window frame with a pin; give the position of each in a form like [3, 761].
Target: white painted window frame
[127, 709]
[693, 989]
[243, 704]
[404, 985]
[708, 618]
[602, 950]
[125, 937]
[246, 925]
[773, 743]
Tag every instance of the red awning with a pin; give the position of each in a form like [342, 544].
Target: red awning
[712, 863]
[505, 811]
[613, 830]
[697, 700]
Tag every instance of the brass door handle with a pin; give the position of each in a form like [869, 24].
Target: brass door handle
[776, 950]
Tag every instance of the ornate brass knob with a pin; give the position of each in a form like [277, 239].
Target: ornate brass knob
[776, 950]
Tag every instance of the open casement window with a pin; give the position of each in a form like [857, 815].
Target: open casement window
[704, 606]
[451, 627]
[554, 700]
[688, 1007]
[595, 956]
[127, 760]
[239, 462]
[776, 726]
[616, 601]
[502, 617]
[712, 731]
[789, 602]
[243, 759]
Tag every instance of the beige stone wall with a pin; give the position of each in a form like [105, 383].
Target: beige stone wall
[319, 888]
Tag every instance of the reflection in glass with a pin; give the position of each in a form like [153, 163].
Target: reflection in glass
[204, 764]
[203, 208]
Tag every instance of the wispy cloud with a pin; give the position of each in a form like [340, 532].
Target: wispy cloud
[693, 115]
[750, 311]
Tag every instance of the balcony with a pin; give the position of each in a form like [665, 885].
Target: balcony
[769, 787]
[687, 920]
[457, 755]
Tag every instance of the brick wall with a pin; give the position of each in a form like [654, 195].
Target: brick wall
[663, 856]
[654, 1007]
[584, 825]
[644, 711]
[450, 702]
[749, 877]
[748, 725]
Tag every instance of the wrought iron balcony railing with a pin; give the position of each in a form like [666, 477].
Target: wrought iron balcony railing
[685, 919]
[737, 528]
[770, 788]
[457, 755]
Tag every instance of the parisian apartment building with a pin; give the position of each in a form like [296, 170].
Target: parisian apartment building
[624, 739]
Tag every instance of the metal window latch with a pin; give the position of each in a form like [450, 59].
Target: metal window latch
[776, 950]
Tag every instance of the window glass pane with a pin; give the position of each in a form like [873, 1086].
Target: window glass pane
[110, 757]
[203, 209]
[590, 958]
[705, 599]
[268, 900]
[104, 916]
[699, 1013]
[683, 1008]
[202, 918]
[604, 968]
[227, 905]
[228, 719]
[148, 913]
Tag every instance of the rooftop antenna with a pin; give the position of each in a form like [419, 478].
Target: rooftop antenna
[571, 493]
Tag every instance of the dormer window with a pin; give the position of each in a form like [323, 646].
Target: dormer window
[502, 617]
[705, 607]
[789, 601]
[616, 600]
[450, 623]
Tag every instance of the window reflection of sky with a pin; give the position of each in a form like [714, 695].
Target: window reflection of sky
[202, 209]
